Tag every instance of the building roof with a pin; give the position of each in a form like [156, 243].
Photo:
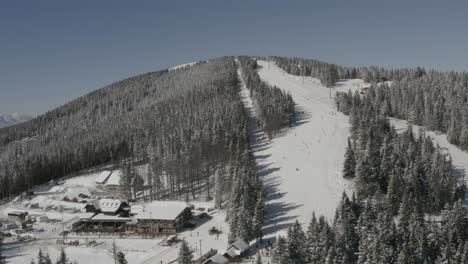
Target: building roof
[110, 218]
[239, 244]
[109, 205]
[86, 216]
[218, 259]
[161, 210]
[136, 209]
[102, 177]
[114, 178]
[233, 252]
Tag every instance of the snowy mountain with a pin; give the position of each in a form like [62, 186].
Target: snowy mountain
[275, 146]
[12, 119]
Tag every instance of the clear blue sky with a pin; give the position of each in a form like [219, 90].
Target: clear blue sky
[54, 51]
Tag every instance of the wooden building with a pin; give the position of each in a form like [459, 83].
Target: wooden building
[100, 223]
[112, 216]
[162, 218]
[19, 216]
[236, 250]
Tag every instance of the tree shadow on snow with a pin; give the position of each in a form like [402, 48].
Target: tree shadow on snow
[300, 117]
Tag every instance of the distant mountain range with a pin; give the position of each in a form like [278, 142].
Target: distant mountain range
[12, 119]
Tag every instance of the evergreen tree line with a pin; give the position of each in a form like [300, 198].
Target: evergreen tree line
[274, 106]
[436, 100]
[407, 207]
[330, 73]
[365, 231]
[187, 123]
[386, 163]
[246, 210]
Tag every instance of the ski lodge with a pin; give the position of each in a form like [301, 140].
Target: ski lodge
[161, 217]
[114, 216]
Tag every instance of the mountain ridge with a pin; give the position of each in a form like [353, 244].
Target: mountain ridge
[13, 119]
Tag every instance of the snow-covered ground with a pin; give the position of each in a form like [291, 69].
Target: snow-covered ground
[48, 202]
[301, 167]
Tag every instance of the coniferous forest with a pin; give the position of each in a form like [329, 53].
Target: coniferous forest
[436, 100]
[191, 128]
[189, 125]
[408, 204]
[275, 107]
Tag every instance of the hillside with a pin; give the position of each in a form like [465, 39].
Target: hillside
[290, 147]
[158, 116]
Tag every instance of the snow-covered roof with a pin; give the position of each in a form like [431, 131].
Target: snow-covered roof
[102, 177]
[103, 217]
[218, 259]
[162, 210]
[86, 215]
[137, 208]
[114, 178]
[109, 205]
[240, 244]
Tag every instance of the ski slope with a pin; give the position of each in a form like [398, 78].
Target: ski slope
[302, 166]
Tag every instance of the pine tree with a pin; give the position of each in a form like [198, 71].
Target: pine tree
[185, 255]
[331, 256]
[259, 216]
[126, 181]
[349, 169]
[296, 244]
[121, 258]
[394, 188]
[2, 257]
[233, 227]
[280, 253]
[364, 174]
[63, 259]
[47, 259]
[314, 249]
[41, 259]
[218, 197]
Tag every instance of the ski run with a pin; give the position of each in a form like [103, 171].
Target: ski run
[302, 166]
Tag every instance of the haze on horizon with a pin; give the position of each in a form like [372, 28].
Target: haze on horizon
[53, 51]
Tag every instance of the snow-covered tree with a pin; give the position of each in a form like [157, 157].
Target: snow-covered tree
[185, 255]
[349, 168]
[280, 254]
